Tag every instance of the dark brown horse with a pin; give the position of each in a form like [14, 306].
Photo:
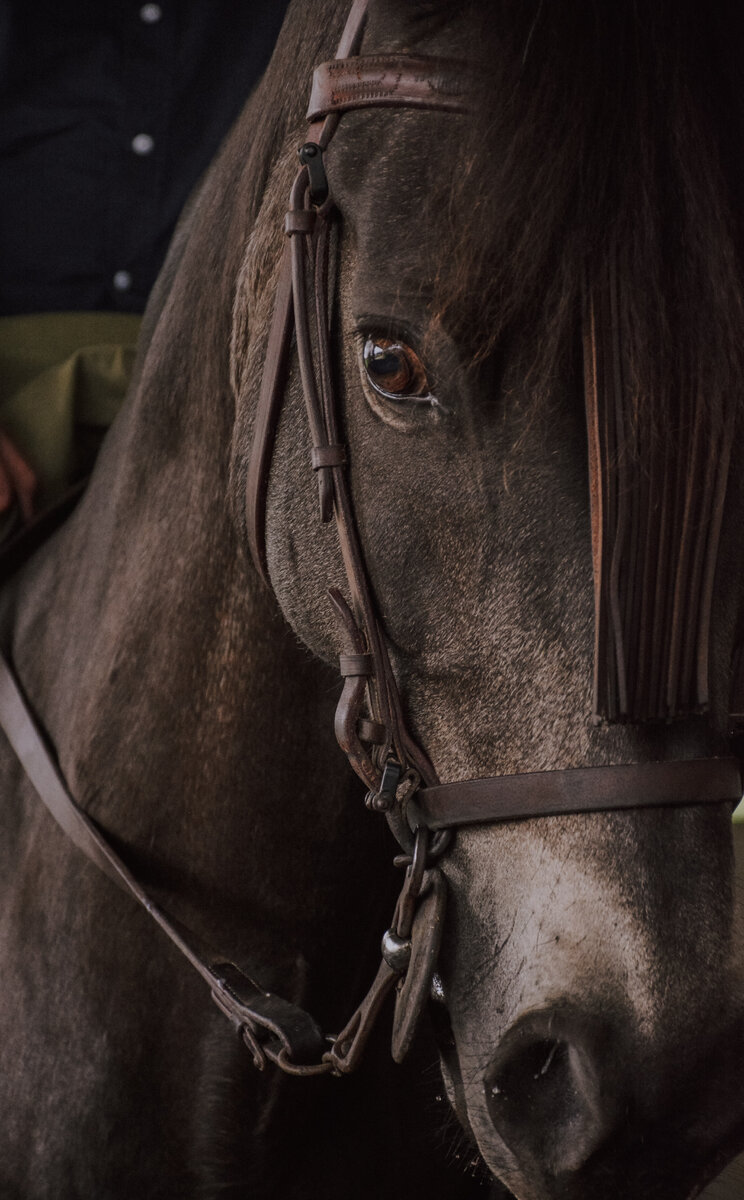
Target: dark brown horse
[590, 1007]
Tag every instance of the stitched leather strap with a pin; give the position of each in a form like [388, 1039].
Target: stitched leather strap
[388, 81]
[578, 790]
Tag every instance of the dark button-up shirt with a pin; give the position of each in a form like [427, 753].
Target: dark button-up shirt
[109, 113]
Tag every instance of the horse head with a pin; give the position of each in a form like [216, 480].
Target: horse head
[589, 990]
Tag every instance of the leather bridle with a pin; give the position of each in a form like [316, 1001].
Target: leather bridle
[381, 747]
[370, 722]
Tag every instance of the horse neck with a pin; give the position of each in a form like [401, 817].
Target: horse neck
[185, 716]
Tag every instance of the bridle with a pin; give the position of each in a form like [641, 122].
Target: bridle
[370, 719]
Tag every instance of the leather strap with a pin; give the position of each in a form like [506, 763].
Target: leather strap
[435, 83]
[388, 81]
[267, 416]
[302, 303]
[272, 1028]
[280, 333]
[273, 1025]
[578, 790]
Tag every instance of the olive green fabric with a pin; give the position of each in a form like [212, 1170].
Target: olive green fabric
[730, 1185]
[63, 377]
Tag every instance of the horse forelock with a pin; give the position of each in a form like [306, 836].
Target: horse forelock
[596, 145]
[598, 137]
[602, 146]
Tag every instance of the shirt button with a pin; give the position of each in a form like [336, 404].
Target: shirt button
[143, 144]
[122, 281]
[150, 13]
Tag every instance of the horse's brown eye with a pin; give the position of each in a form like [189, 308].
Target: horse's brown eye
[395, 370]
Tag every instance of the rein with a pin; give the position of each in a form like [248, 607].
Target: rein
[370, 724]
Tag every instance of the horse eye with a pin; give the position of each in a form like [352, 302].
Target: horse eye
[395, 370]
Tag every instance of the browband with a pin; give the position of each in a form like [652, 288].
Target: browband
[577, 790]
[388, 80]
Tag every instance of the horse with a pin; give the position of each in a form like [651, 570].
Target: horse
[587, 1002]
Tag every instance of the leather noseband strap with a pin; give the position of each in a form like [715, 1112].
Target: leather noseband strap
[582, 790]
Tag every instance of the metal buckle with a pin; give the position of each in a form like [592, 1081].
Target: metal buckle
[384, 798]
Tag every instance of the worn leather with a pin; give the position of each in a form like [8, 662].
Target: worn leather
[267, 416]
[426, 939]
[250, 1006]
[388, 81]
[582, 789]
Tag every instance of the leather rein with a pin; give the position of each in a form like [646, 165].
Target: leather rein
[370, 724]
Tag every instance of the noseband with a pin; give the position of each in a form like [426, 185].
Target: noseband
[370, 723]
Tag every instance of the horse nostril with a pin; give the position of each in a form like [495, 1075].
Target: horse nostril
[545, 1096]
[532, 1075]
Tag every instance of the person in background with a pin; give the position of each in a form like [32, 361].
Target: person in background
[109, 114]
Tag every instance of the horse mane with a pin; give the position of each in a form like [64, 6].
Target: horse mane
[231, 195]
[604, 137]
